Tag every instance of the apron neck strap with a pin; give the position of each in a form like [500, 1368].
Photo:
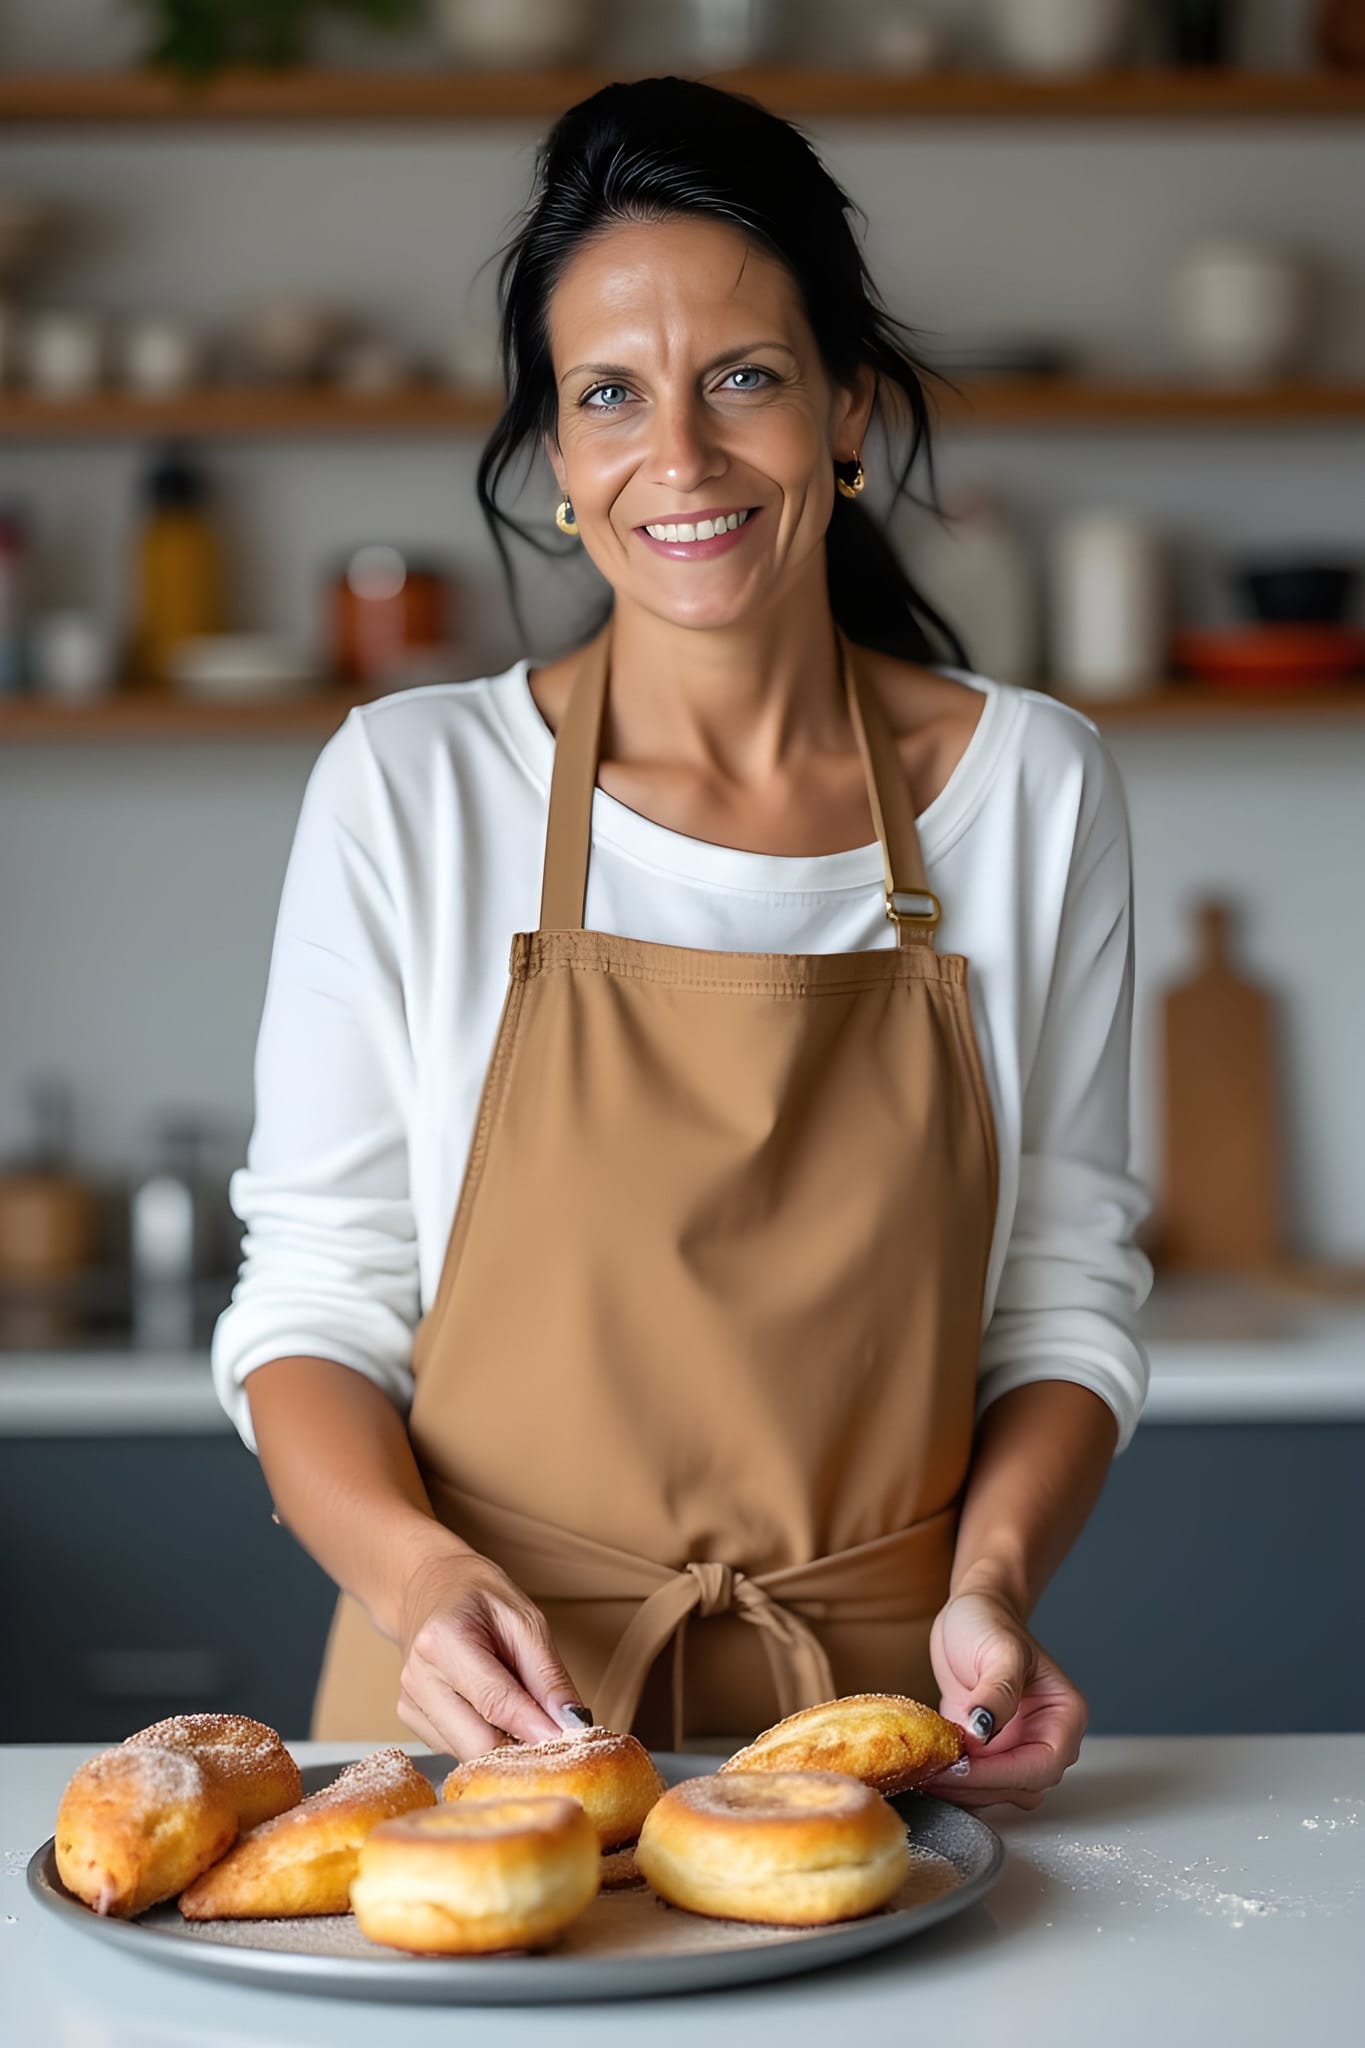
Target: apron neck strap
[910, 903]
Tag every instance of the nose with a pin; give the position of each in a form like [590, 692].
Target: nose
[685, 453]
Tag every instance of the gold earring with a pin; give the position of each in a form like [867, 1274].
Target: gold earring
[564, 518]
[855, 484]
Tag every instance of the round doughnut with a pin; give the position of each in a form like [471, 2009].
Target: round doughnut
[303, 1861]
[249, 1758]
[611, 1775]
[137, 1825]
[790, 1848]
[886, 1740]
[480, 1875]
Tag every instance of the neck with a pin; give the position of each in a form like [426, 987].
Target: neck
[740, 700]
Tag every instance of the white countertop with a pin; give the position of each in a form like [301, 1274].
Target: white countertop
[1220, 1352]
[1201, 1891]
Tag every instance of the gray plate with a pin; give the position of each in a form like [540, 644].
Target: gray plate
[627, 1944]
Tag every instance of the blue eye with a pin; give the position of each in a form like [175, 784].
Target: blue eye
[751, 370]
[611, 404]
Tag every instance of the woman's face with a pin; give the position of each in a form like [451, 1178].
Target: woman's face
[691, 390]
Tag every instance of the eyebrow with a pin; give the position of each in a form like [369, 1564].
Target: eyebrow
[744, 348]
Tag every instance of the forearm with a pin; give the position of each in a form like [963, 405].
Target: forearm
[340, 1467]
[1039, 1462]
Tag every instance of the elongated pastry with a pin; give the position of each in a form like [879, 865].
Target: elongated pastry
[611, 1775]
[247, 1757]
[302, 1862]
[790, 1848]
[888, 1741]
[137, 1825]
[480, 1875]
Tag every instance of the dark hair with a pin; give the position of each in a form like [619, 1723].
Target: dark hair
[663, 147]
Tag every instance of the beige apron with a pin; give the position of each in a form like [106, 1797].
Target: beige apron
[702, 1364]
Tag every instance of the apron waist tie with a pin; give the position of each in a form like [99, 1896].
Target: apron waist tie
[899, 1577]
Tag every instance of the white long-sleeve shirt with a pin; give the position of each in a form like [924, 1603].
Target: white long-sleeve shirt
[417, 856]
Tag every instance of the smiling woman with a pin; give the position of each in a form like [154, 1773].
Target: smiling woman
[691, 332]
[741, 1267]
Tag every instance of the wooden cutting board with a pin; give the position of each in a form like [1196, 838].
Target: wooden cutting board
[1221, 1209]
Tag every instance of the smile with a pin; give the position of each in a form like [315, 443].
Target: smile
[691, 539]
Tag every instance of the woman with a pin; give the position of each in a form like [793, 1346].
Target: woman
[768, 1224]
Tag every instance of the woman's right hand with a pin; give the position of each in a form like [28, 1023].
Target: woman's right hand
[478, 1661]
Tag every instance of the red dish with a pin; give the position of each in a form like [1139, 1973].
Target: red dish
[1276, 657]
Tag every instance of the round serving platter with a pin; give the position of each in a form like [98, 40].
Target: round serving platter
[628, 1944]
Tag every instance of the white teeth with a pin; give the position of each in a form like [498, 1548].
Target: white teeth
[703, 529]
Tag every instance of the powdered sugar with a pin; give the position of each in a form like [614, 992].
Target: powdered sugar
[558, 1749]
[232, 1742]
[775, 1795]
[155, 1777]
[380, 1777]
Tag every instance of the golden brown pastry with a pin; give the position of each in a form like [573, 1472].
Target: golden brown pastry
[612, 1776]
[246, 1756]
[303, 1861]
[888, 1741]
[790, 1848]
[137, 1825]
[482, 1874]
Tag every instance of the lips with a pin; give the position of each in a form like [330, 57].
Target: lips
[704, 535]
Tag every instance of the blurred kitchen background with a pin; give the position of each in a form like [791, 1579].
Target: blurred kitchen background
[246, 361]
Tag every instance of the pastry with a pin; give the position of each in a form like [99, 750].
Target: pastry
[610, 1775]
[887, 1740]
[482, 1874]
[790, 1848]
[137, 1825]
[303, 1861]
[246, 1756]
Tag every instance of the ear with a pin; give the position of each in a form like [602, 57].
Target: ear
[555, 460]
[852, 413]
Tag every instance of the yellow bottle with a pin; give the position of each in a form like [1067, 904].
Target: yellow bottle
[179, 572]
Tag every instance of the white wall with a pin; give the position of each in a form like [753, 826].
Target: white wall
[138, 885]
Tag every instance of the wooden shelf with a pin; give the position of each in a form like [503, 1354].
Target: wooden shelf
[139, 98]
[231, 410]
[986, 404]
[138, 717]
[147, 718]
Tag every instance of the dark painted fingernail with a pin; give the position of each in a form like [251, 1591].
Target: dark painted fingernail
[572, 1715]
[981, 1721]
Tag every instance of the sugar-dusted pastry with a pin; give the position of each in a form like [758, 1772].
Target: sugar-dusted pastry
[249, 1758]
[480, 1875]
[611, 1775]
[303, 1861]
[887, 1740]
[137, 1825]
[790, 1848]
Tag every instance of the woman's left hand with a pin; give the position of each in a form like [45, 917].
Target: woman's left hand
[984, 1656]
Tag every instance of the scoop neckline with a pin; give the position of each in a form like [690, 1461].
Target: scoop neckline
[658, 846]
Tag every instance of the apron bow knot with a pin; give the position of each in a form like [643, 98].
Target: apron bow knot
[705, 1587]
[717, 1584]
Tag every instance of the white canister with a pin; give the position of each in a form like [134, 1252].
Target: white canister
[158, 357]
[1107, 606]
[1239, 309]
[1059, 37]
[494, 33]
[63, 353]
[72, 656]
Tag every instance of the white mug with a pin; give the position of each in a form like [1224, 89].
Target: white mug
[1059, 36]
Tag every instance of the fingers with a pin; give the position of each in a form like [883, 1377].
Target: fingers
[437, 1714]
[494, 1692]
[531, 1654]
